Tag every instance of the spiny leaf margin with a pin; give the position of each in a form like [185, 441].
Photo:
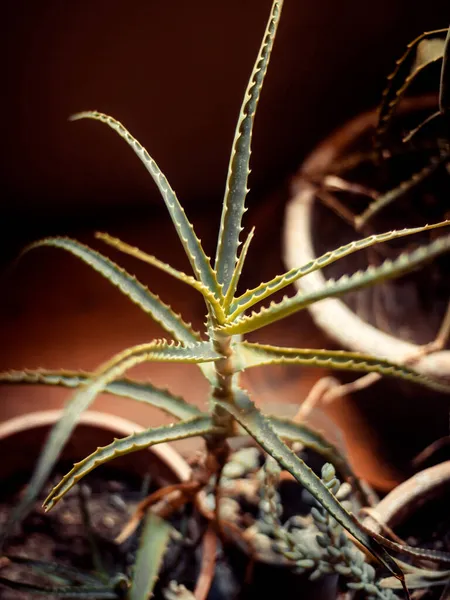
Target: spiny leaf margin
[238, 170]
[140, 391]
[332, 289]
[199, 426]
[264, 290]
[199, 261]
[127, 284]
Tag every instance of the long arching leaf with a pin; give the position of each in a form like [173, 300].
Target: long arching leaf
[155, 262]
[238, 169]
[389, 269]
[254, 355]
[199, 426]
[153, 544]
[140, 391]
[258, 426]
[264, 290]
[128, 285]
[159, 351]
[199, 261]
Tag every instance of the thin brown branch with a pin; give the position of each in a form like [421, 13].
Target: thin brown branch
[208, 564]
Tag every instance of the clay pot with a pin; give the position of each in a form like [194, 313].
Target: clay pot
[417, 509]
[411, 495]
[386, 419]
[22, 438]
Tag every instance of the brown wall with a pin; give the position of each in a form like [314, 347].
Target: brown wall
[174, 72]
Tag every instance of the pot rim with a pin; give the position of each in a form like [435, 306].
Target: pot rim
[163, 451]
[333, 316]
[404, 499]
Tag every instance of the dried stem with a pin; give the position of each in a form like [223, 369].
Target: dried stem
[208, 564]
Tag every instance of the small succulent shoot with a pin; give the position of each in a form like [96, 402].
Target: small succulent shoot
[153, 544]
[318, 546]
[219, 351]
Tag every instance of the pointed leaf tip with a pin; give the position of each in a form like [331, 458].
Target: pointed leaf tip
[238, 170]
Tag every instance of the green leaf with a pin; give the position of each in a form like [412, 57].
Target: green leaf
[444, 88]
[238, 169]
[83, 592]
[158, 351]
[127, 284]
[402, 189]
[407, 68]
[238, 270]
[254, 355]
[258, 426]
[137, 441]
[62, 572]
[287, 430]
[199, 261]
[153, 544]
[144, 392]
[332, 289]
[252, 297]
[209, 296]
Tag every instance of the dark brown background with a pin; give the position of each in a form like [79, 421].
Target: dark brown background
[175, 72]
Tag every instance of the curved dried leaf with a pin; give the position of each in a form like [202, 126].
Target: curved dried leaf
[191, 244]
[254, 355]
[159, 351]
[152, 260]
[238, 169]
[264, 290]
[126, 388]
[127, 284]
[153, 544]
[422, 126]
[332, 289]
[400, 79]
[258, 426]
[416, 581]
[198, 426]
[413, 552]
[402, 189]
[444, 88]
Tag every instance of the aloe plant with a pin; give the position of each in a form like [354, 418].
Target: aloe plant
[220, 351]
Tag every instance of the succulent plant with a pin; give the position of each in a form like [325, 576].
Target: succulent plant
[219, 351]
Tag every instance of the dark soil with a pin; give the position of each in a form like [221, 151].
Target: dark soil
[60, 535]
[411, 307]
[429, 527]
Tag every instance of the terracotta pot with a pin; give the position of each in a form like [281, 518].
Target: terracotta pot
[28, 433]
[406, 499]
[381, 413]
